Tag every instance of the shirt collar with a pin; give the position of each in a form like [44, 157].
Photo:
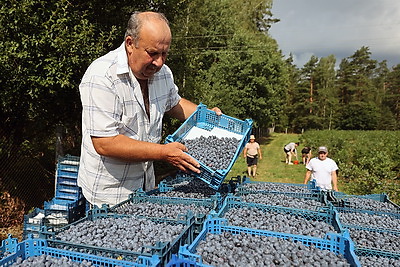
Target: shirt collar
[122, 60]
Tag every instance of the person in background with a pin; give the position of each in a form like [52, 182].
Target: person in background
[290, 149]
[323, 170]
[251, 153]
[306, 155]
[124, 96]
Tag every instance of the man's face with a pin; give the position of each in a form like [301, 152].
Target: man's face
[148, 55]
[322, 155]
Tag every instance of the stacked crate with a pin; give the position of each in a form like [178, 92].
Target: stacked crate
[68, 204]
[373, 222]
[336, 241]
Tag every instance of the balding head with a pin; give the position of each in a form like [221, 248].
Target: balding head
[138, 19]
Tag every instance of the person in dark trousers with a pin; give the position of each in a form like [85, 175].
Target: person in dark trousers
[290, 149]
[252, 152]
[306, 155]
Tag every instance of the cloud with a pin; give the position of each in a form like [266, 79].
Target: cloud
[340, 27]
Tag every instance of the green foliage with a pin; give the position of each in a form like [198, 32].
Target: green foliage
[229, 61]
[362, 94]
[368, 160]
[46, 47]
[358, 116]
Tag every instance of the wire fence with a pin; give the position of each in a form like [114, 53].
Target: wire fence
[25, 175]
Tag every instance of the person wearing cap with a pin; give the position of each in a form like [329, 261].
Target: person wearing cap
[251, 153]
[290, 149]
[323, 170]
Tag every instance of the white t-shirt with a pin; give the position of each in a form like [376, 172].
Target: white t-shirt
[321, 171]
[290, 146]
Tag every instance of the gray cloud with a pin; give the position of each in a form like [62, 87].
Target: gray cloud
[340, 27]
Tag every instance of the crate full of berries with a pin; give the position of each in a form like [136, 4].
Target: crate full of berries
[215, 141]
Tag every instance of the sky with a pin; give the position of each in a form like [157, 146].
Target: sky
[338, 27]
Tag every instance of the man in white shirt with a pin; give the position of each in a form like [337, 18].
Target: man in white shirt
[323, 170]
[125, 95]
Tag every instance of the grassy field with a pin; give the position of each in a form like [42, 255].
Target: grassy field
[272, 167]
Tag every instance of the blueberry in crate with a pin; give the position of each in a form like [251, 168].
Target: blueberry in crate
[220, 137]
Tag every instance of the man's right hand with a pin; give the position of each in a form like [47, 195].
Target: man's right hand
[174, 154]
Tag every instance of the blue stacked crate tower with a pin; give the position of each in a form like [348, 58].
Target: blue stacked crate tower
[68, 204]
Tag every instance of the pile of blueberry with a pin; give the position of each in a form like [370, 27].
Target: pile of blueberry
[126, 233]
[214, 152]
[369, 220]
[275, 187]
[156, 210]
[243, 249]
[277, 222]
[49, 261]
[283, 201]
[370, 204]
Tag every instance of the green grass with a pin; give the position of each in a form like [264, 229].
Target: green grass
[272, 167]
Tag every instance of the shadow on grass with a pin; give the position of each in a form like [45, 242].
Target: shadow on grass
[265, 140]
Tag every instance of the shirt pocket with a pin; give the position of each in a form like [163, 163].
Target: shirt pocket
[129, 125]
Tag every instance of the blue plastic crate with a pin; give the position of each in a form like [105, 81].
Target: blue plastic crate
[68, 167]
[68, 192]
[213, 203]
[339, 244]
[206, 119]
[67, 174]
[369, 252]
[228, 186]
[36, 247]
[325, 214]
[311, 194]
[347, 204]
[33, 225]
[64, 211]
[369, 212]
[8, 246]
[139, 196]
[163, 250]
[65, 181]
[69, 160]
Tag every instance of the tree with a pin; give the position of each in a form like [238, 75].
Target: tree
[391, 98]
[227, 59]
[325, 91]
[43, 59]
[356, 90]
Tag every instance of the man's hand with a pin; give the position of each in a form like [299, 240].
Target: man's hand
[217, 111]
[174, 154]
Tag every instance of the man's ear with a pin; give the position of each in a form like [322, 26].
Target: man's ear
[129, 43]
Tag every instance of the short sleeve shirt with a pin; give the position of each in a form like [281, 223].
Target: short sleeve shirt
[290, 146]
[322, 171]
[252, 149]
[113, 104]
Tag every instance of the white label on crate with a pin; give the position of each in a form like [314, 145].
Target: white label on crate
[196, 132]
